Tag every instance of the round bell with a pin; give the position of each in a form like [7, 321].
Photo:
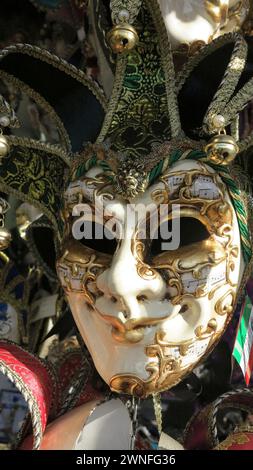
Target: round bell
[222, 149]
[5, 238]
[122, 38]
[4, 146]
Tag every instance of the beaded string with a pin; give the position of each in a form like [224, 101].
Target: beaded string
[124, 10]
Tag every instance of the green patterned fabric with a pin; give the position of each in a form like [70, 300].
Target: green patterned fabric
[141, 117]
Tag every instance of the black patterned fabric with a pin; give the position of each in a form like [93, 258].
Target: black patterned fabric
[36, 176]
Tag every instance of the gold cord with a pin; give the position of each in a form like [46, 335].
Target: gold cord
[158, 411]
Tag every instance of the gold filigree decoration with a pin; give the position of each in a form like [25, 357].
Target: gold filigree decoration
[83, 265]
[214, 212]
[237, 438]
[165, 372]
[138, 248]
[224, 306]
[202, 332]
[222, 13]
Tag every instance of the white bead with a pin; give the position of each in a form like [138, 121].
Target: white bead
[124, 15]
[4, 121]
[218, 121]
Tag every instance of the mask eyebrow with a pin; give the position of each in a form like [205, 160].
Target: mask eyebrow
[201, 184]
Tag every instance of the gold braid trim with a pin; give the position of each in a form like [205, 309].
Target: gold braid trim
[168, 67]
[234, 127]
[43, 104]
[227, 87]
[240, 100]
[204, 52]
[54, 149]
[158, 411]
[246, 143]
[115, 96]
[60, 64]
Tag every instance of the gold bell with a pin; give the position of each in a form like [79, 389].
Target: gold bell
[122, 38]
[5, 238]
[222, 149]
[4, 146]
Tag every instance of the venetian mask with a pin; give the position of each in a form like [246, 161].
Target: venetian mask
[147, 310]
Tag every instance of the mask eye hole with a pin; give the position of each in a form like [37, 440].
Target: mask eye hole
[191, 231]
[97, 237]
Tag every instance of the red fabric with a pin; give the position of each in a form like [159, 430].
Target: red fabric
[32, 373]
[69, 370]
[36, 379]
[197, 435]
[27, 444]
[239, 440]
[89, 393]
[200, 435]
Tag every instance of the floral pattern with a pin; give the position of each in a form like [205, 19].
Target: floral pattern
[36, 175]
[141, 118]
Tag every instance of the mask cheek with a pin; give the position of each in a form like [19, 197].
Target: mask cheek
[181, 326]
[204, 293]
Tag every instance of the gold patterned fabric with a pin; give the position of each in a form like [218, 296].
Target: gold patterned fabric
[35, 175]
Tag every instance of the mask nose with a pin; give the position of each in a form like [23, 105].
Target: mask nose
[129, 281]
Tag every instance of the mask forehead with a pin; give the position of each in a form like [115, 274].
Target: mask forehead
[192, 187]
[94, 179]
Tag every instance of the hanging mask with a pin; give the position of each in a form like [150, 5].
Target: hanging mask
[147, 310]
[152, 258]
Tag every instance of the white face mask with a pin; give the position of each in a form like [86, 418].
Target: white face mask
[149, 315]
[187, 21]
